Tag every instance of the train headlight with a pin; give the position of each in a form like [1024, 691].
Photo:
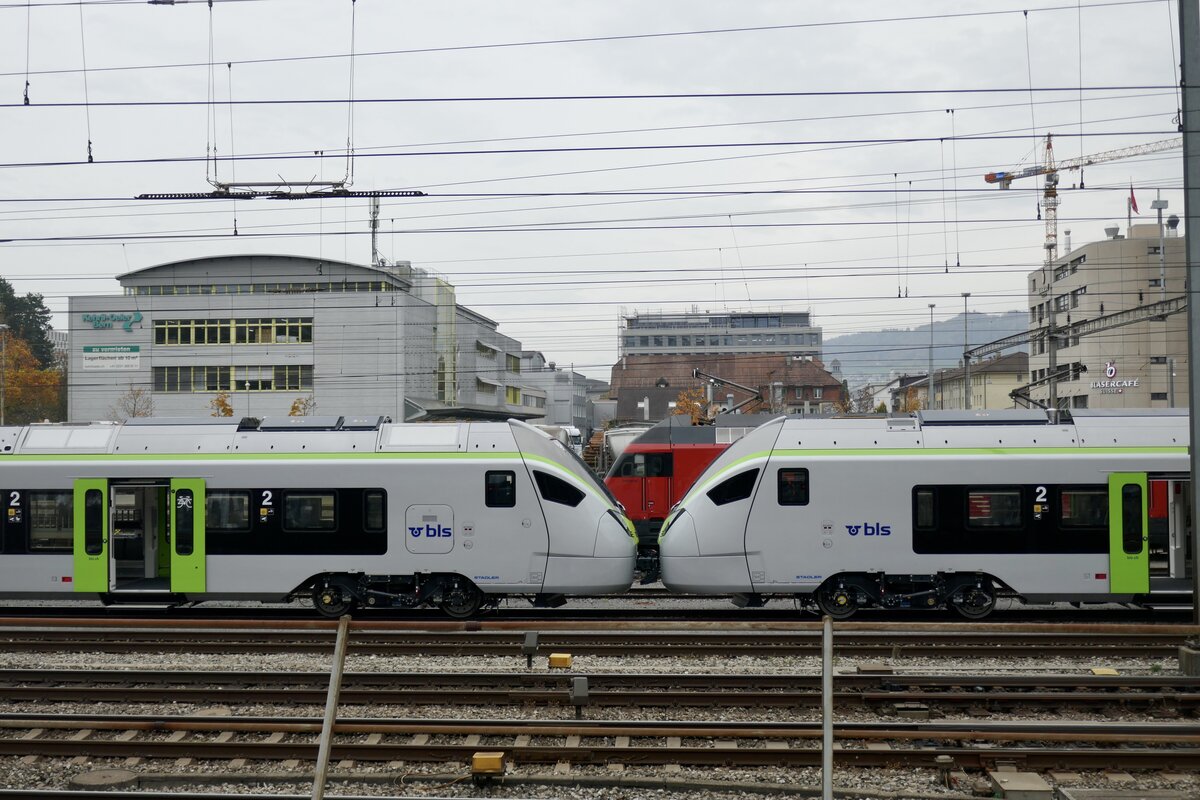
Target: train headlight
[625, 523]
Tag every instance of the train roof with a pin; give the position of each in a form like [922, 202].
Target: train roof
[213, 435]
[679, 429]
[990, 429]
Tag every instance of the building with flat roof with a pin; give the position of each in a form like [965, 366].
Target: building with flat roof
[696, 333]
[1142, 364]
[272, 333]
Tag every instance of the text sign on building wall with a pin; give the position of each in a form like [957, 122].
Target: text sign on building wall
[112, 357]
[103, 321]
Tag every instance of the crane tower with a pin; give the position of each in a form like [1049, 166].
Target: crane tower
[1051, 170]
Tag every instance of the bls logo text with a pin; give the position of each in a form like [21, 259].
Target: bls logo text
[868, 529]
[430, 531]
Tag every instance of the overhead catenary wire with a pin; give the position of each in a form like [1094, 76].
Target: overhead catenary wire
[594, 39]
[496, 200]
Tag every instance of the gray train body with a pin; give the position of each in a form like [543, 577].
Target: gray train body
[949, 509]
[348, 512]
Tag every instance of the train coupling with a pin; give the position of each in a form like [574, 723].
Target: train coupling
[548, 600]
[751, 600]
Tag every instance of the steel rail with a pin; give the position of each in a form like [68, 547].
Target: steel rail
[641, 690]
[1179, 744]
[879, 642]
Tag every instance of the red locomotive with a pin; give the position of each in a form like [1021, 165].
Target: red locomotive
[657, 468]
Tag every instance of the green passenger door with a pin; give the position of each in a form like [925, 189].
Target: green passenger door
[1128, 533]
[91, 535]
[187, 535]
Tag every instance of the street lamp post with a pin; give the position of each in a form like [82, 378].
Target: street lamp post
[929, 404]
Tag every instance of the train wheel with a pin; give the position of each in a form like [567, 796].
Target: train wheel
[836, 601]
[331, 600]
[462, 602]
[977, 602]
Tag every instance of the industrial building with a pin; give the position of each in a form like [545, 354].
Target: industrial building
[275, 334]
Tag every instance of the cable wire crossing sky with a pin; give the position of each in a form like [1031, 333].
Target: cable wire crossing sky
[562, 163]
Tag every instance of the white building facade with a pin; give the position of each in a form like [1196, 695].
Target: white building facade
[1139, 365]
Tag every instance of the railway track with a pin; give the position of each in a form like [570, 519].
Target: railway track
[244, 721]
[975, 744]
[1162, 694]
[613, 639]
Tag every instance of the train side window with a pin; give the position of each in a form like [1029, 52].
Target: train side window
[499, 489]
[793, 487]
[375, 510]
[93, 522]
[227, 512]
[924, 504]
[994, 508]
[51, 520]
[739, 487]
[309, 511]
[1084, 507]
[1131, 518]
[556, 490]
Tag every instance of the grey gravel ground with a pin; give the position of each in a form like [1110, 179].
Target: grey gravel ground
[448, 780]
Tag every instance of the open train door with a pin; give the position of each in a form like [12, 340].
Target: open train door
[1128, 533]
[187, 535]
[90, 546]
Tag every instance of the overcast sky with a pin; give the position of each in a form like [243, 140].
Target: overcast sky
[884, 212]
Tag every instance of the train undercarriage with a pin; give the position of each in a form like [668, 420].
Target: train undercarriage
[340, 593]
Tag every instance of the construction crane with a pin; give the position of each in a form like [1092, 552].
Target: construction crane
[1051, 170]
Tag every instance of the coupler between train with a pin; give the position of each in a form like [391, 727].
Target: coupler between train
[972, 595]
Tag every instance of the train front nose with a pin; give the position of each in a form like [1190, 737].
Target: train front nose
[679, 554]
[718, 568]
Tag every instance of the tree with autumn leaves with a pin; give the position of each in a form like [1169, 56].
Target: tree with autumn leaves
[31, 393]
[33, 378]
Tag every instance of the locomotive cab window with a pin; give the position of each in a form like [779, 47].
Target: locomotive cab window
[309, 511]
[645, 465]
[730, 490]
[556, 490]
[793, 487]
[500, 489]
[994, 508]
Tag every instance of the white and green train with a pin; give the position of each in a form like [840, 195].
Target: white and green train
[347, 512]
[944, 509]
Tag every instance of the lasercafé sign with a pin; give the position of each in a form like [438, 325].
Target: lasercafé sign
[1111, 384]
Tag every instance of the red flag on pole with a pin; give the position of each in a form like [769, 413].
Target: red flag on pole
[1133, 200]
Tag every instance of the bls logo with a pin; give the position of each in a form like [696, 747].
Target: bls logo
[867, 529]
[431, 531]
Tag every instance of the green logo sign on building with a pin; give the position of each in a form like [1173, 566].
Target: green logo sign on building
[101, 321]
